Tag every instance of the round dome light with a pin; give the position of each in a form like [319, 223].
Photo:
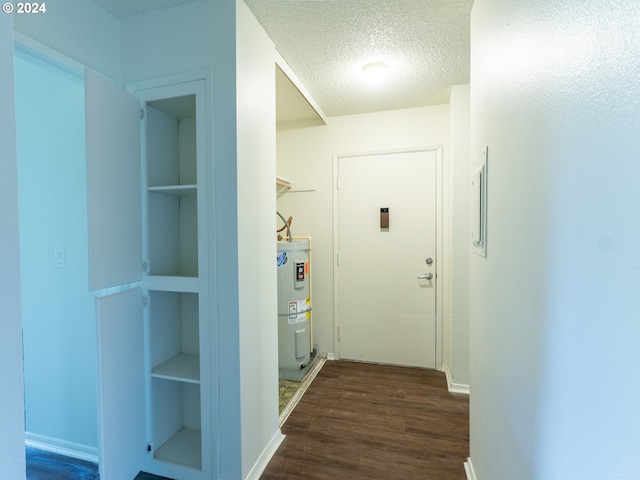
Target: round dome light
[374, 72]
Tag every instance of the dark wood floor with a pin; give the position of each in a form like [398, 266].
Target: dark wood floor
[43, 465]
[365, 421]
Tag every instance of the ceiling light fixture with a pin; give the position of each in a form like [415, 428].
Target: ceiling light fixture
[374, 72]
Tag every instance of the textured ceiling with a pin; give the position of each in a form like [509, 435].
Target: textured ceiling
[425, 43]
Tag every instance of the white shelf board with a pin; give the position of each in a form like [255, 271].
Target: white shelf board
[184, 448]
[175, 190]
[183, 368]
[303, 187]
[168, 283]
[282, 182]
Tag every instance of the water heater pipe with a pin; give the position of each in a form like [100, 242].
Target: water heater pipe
[286, 224]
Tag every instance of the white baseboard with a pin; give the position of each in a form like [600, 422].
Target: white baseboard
[468, 469]
[62, 447]
[331, 356]
[265, 457]
[454, 387]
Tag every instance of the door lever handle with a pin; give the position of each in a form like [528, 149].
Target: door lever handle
[426, 276]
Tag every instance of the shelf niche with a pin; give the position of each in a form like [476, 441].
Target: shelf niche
[175, 383]
[174, 335]
[172, 187]
[176, 420]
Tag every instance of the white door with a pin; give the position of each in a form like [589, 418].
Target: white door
[114, 183]
[121, 382]
[386, 313]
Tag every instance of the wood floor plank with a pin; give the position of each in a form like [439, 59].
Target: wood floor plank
[368, 421]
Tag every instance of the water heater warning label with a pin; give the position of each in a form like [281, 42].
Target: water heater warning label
[293, 309]
[299, 310]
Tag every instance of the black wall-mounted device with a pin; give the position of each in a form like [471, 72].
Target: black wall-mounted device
[384, 217]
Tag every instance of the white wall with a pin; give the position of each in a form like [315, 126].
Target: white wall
[179, 39]
[192, 37]
[12, 459]
[59, 331]
[81, 30]
[306, 154]
[256, 246]
[456, 348]
[57, 308]
[202, 35]
[555, 323]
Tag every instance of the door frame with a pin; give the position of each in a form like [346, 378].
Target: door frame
[439, 260]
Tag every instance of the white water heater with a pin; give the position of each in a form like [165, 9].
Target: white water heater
[294, 309]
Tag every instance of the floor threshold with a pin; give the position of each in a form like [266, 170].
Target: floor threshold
[303, 388]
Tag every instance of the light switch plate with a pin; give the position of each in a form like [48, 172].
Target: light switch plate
[60, 256]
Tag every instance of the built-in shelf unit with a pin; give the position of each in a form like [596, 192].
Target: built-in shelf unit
[147, 164]
[174, 287]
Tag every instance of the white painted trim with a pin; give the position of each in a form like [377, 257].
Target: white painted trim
[336, 276]
[178, 79]
[454, 387]
[440, 238]
[440, 253]
[265, 456]
[62, 447]
[44, 52]
[469, 471]
[286, 69]
[460, 388]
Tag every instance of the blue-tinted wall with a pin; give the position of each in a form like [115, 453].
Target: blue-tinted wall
[57, 308]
